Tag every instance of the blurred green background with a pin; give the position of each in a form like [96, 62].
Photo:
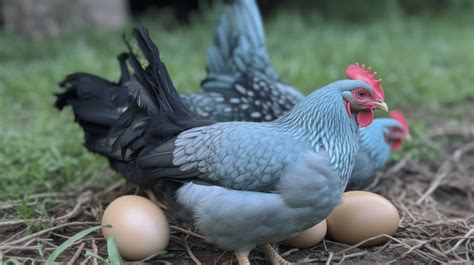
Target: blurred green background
[423, 50]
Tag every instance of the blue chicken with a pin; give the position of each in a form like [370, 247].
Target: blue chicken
[375, 147]
[241, 183]
[377, 141]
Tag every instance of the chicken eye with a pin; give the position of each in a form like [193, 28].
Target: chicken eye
[361, 93]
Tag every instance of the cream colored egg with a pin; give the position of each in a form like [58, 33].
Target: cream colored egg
[139, 226]
[360, 216]
[309, 237]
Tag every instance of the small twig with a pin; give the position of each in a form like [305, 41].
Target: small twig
[423, 254]
[86, 261]
[440, 175]
[465, 237]
[15, 222]
[331, 255]
[289, 252]
[392, 170]
[461, 151]
[47, 241]
[407, 211]
[342, 259]
[419, 245]
[188, 232]
[111, 188]
[444, 169]
[360, 243]
[189, 251]
[153, 198]
[96, 252]
[26, 245]
[12, 237]
[77, 254]
[357, 254]
[76, 208]
[9, 248]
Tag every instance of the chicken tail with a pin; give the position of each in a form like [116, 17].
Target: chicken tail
[97, 103]
[156, 111]
[155, 114]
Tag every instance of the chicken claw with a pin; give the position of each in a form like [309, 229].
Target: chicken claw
[242, 257]
[273, 257]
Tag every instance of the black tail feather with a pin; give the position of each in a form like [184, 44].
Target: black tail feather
[63, 99]
[124, 73]
[156, 113]
[97, 103]
[154, 90]
[154, 110]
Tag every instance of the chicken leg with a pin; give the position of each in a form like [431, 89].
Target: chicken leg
[273, 257]
[243, 257]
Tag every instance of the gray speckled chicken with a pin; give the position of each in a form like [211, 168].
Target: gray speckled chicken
[243, 183]
[241, 84]
[239, 70]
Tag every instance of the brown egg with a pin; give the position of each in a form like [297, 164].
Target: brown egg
[139, 226]
[308, 238]
[362, 215]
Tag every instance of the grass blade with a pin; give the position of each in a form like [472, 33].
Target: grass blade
[66, 244]
[113, 252]
[40, 250]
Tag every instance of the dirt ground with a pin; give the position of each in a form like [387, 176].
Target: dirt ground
[434, 199]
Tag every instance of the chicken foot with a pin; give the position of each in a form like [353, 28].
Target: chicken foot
[273, 257]
[242, 257]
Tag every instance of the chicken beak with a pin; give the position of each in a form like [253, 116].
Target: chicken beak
[382, 106]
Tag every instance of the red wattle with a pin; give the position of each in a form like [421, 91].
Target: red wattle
[365, 117]
[396, 145]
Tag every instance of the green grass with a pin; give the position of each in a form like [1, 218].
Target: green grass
[426, 61]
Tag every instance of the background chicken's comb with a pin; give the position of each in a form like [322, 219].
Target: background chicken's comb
[356, 72]
[398, 116]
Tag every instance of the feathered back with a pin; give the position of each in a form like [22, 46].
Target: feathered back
[156, 112]
[239, 68]
[239, 46]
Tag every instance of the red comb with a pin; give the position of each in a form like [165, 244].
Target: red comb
[356, 72]
[398, 116]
